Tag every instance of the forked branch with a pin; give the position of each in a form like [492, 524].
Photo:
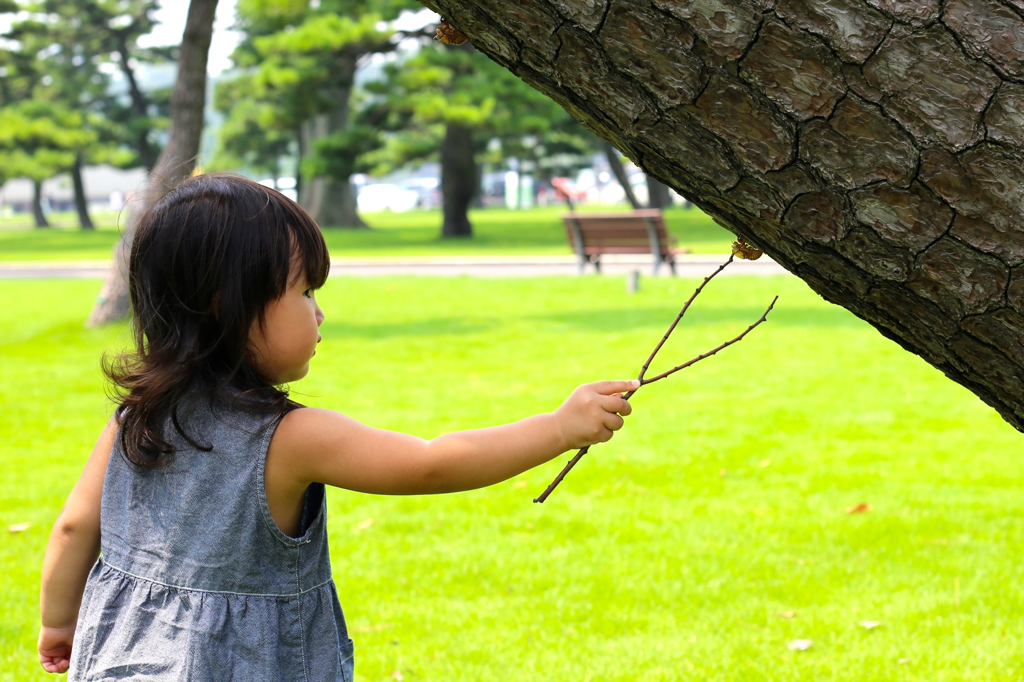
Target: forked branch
[643, 371]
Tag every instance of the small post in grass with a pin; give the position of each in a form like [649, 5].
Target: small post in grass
[633, 282]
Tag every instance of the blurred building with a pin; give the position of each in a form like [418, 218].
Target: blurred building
[106, 187]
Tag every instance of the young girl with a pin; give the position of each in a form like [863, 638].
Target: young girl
[194, 545]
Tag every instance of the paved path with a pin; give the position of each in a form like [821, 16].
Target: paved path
[443, 266]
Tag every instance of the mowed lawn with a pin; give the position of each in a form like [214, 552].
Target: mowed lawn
[672, 552]
[497, 231]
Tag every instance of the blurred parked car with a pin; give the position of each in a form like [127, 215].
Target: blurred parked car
[285, 186]
[427, 189]
[382, 197]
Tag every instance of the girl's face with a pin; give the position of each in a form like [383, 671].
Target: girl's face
[280, 351]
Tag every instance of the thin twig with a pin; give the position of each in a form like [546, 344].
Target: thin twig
[643, 382]
[711, 352]
[558, 479]
[671, 328]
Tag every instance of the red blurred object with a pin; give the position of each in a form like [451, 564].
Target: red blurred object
[567, 189]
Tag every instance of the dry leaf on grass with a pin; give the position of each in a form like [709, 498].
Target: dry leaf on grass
[869, 624]
[18, 527]
[765, 463]
[722, 472]
[800, 644]
[859, 508]
[398, 675]
[903, 660]
[363, 525]
[786, 614]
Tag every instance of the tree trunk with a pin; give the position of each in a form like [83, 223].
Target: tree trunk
[146, 150]
[302, 150]
[331, 202]
[37, 204]
[178, 157]
[901, 201]
[84, 221]
[657, 193]
[619, 171]
[458, 180]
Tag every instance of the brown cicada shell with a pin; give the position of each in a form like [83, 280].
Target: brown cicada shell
[741, 249]
[449, 35]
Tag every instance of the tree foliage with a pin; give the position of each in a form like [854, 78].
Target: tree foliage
[300, 63]
[441, 85]
[58, 104]
[79, 44]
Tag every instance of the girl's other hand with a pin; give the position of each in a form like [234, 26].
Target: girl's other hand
[591, 414]
[55, 648]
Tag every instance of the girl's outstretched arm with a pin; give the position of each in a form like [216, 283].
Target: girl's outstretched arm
[72, 550]
[324, 446]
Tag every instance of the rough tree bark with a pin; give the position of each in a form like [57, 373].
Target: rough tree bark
[176, 161]
[81, 205]
[872, 147]
[458, 180]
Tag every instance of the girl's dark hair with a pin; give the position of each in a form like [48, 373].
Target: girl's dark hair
[206, 260]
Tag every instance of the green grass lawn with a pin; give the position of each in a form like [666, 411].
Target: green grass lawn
[497, 231]
[669, 552]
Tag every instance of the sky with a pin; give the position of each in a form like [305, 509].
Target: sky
[171, 16]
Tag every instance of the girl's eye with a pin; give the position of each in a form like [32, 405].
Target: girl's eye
[308, 293]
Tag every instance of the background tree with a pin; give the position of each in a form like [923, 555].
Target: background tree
[178, 157]
[532, 129]
[304, 61]
[62, 60]
[38, 141]
[619, 171]
[253, 135]
[657, 192]
[91, 33]
[451, 103]
[901, 201]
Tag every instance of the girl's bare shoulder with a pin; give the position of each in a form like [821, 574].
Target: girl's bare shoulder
[304, 437]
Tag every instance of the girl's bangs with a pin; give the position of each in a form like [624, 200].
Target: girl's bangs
[314, 260]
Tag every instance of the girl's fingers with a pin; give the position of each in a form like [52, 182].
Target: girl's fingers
[613, 421]
[612, 387]
[54, 664]
[615, 403]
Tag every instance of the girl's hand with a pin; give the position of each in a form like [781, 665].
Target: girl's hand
[591, 414]
[55, 648]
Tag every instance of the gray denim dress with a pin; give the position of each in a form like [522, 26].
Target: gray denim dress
[196, 582]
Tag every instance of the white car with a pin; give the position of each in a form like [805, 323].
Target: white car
[382, 197]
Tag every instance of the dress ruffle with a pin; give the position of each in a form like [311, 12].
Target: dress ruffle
[131, 628]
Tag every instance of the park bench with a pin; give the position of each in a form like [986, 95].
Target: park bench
[642, 231]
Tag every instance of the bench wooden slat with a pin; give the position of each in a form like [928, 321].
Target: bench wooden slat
[599, 233]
